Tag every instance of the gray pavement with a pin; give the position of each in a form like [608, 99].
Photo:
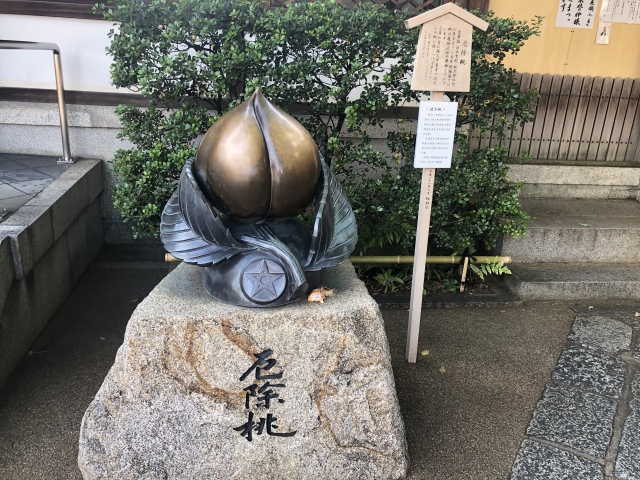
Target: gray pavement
[42, 404]
[468, 422]
[466, 404]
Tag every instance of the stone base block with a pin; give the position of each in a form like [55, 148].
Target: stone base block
[179, 401]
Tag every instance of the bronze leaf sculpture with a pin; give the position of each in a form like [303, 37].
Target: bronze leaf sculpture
[235, 211]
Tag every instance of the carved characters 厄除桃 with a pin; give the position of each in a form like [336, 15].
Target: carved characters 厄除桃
[263, 394]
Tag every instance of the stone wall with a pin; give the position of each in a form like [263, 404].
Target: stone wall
[45, 247]
[567, 181]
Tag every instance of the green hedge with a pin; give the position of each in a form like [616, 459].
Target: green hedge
[195, 59]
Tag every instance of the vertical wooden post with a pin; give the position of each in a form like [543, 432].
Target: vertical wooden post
[420, 254]
[463, 277]
[454, 75]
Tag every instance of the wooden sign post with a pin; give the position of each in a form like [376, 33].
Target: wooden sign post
[442, 64]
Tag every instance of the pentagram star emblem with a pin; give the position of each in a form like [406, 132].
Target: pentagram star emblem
[263, 280]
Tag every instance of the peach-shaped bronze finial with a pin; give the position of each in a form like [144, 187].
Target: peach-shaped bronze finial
[258, 161]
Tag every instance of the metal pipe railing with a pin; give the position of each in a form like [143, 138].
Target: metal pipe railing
[57, 66]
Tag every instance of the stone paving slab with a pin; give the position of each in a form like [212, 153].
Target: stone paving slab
[586, 429]
[602, 333]
[24, 176]
[53, 170]
[10, 165]
[7, 191]
[591, 371]
[12, 204]
[538, 461]
[574, 419]
[32, 187]
[628, 462]
[631, 318]
[625, 313]
[629, 451]
[34, 161]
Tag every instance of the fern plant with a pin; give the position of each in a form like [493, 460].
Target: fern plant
[391, 280]
[494, 267]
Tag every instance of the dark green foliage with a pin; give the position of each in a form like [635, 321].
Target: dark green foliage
[473, 201]
[190, 55]
[329, 53]
[397, 279]
[192, 60]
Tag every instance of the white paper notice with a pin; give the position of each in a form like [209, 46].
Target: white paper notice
[576, 13]
[436, 129]
[620, 11]
[603, 34]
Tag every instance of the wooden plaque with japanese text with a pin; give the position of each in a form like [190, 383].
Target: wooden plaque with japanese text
[443, 59]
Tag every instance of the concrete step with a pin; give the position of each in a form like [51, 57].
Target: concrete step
[561, 281]
[578, 231]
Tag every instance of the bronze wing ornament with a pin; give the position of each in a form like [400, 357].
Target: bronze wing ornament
[191, 229]
[335, 232]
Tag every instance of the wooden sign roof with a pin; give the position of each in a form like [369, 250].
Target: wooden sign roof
[449, 8]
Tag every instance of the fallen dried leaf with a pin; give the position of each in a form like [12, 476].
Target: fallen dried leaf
[442, 370]
[425, 352]
[318, 294]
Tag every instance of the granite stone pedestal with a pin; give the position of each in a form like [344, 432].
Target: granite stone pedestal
[317, 397]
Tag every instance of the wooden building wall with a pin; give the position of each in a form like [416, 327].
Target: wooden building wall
[569, 51]
[577, 118]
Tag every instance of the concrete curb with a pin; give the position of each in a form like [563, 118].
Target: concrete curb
[500, 297]
[45, 247]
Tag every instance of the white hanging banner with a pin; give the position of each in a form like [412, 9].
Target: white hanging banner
[620, 11]
[577, 13]
[435, 132]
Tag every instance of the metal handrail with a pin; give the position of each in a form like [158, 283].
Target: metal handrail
[57, 66]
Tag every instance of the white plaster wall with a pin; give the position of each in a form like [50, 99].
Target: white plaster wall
[85, 64]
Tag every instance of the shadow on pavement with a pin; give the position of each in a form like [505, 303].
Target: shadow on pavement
[42, 404]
